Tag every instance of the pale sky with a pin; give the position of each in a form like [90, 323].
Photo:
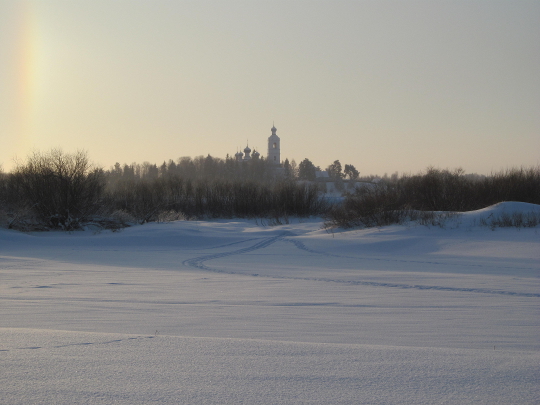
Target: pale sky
[384, 85]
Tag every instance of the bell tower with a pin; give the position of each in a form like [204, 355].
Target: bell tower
[273, 148]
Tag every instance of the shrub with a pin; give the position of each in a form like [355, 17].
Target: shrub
[515, 219]
[434, 192]
[146, 200]
[62, 190]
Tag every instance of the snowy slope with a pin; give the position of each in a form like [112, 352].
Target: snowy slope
[233, 312]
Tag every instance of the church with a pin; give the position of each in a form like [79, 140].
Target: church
[274, 155]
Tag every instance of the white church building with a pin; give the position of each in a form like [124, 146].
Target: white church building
[274, 154]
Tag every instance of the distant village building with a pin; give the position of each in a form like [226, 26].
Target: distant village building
[274, 147]
[246, 156]
[274, 154]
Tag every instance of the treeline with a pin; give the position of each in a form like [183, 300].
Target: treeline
[212, 168]
[413, 197]
[65, 191]
[146, 200]
[198, 168]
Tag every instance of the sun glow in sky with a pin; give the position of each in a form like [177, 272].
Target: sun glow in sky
[384, 85]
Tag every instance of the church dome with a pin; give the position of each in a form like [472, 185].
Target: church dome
[247, 150]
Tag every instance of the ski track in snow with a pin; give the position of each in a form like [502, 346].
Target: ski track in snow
[79, 344]
[230, 244]
[198, 262]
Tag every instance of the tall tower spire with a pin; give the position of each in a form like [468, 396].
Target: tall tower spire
[274, 147]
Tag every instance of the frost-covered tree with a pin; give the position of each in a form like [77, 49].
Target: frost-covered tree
[334, 170]
[294, 169]
[287, 168]
[351, 171]
[306, 170]
[163, 169]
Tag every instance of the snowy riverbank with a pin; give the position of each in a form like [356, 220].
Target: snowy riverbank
[231, 312]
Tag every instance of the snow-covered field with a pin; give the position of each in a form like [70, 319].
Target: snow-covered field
[231, 312]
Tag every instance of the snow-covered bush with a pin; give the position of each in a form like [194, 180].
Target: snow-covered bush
[427, 197]
[514, 219]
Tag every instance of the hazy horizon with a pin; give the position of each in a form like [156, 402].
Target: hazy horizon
[384, 85]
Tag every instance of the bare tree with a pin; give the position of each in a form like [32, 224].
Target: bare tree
[62, 189]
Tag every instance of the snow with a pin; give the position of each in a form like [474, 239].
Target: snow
[229, 312]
